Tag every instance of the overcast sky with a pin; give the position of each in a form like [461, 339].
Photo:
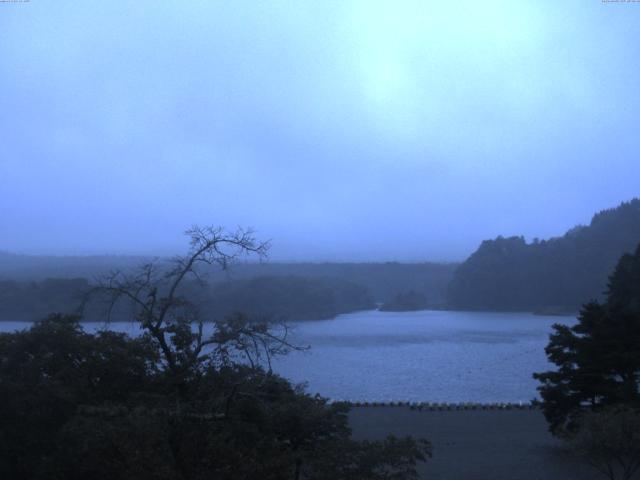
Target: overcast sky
[341, 130]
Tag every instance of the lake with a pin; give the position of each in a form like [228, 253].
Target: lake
[434, 356]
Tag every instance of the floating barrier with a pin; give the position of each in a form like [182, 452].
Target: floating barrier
[444, 406]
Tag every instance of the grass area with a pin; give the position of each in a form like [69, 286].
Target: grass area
[477, 444]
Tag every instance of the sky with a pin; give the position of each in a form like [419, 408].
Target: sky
[340, 130]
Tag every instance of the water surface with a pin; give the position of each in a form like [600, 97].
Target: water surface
[436, 356]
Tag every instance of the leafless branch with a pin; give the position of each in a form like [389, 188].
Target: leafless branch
[154, 293]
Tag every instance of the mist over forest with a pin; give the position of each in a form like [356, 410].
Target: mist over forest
[548, 276]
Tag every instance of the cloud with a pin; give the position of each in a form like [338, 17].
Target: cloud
[360, 129]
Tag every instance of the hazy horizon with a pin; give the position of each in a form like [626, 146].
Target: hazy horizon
[270, 258]
[342, 131]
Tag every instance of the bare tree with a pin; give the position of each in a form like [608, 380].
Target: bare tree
[156, 293]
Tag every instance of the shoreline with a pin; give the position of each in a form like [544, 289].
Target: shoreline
[539, 313]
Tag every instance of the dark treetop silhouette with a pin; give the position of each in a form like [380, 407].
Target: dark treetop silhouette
[598, 359]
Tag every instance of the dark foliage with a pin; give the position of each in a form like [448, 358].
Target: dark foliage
[406, 302]
[549, 275]
[79, 406]
[598, 359]
[277, 297]
[288, 298]
[609, 441]
[48, 373]
[383, 280]
[33, 300]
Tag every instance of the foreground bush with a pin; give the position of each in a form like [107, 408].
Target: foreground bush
[79, 406]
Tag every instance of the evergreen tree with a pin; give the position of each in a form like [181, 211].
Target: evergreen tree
[598, 359]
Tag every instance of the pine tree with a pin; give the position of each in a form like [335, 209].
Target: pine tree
[598, 358]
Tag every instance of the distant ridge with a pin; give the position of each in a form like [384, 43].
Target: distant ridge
[548, 276]
[382, 280]
[17, 266]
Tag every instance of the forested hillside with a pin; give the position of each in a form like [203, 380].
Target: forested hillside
[41, 267]
[548, 275]
[261, 298]
[35, 300]
[287, 298]
[383, 280]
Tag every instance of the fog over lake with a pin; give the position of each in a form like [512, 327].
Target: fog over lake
[435, 356]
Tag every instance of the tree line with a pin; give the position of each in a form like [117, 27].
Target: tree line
[383, 280]
[274, 298]
[555, 275]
